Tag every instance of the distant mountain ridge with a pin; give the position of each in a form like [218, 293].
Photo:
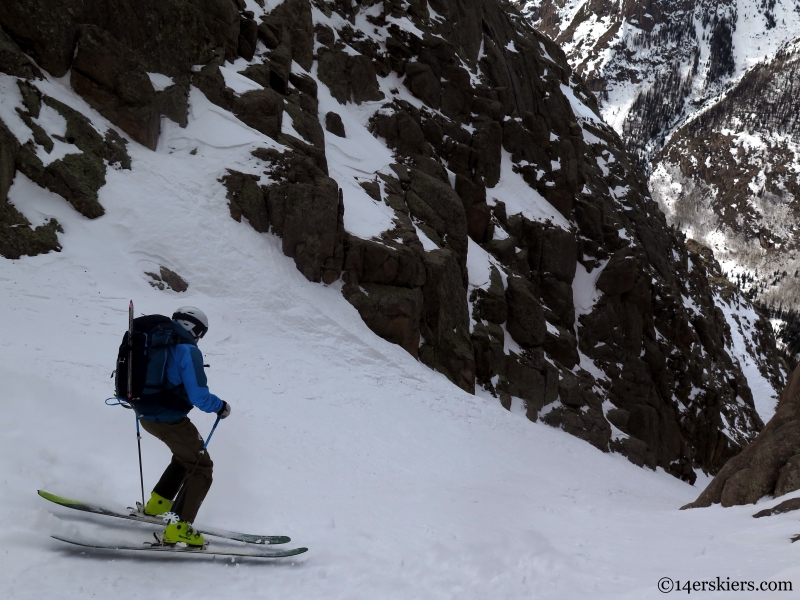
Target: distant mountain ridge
[729, 177]
[654, 65]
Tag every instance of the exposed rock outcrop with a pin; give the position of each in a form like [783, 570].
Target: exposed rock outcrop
[783, 507]
[115, 83]
[770, 466]
[169, 36]
[13, 61]
[77, 176]
[17, 237]
[167, 279]
[303, 206]
[333, 123]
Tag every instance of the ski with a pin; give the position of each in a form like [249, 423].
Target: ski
[136, 515]
[148, 547]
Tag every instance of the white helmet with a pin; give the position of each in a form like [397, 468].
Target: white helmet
[192, 319]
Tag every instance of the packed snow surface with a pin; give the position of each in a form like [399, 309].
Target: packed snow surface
[401, 485]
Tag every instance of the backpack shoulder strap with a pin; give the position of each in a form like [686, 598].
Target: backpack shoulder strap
[181, 335]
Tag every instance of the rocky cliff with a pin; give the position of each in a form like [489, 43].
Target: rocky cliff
[770, 466]
[442, 164]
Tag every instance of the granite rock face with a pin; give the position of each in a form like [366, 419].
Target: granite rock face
[113, 82]
[333, 123]
[524, 255]
[302, 205]
[770, 466]
[76, 175]
[597, 288]
[168, 35]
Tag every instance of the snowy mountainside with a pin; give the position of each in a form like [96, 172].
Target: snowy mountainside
[464, 195]
[401, 484]
[654, 66]
[730, 177]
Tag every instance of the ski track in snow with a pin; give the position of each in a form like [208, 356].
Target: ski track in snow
[401, 485]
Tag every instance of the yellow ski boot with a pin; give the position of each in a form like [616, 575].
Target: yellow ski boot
[182, 532]
[157, 505]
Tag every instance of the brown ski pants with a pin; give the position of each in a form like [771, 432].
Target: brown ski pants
[185, 442]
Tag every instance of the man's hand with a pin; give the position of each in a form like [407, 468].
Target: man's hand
[225, 410]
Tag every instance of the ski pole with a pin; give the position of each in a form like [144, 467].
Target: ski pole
[139, 443]
[209, 435]
[130, 351]
[130, 393]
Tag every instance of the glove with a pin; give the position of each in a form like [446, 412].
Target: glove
[225, 410]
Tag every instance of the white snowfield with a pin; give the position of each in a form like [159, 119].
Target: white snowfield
[401, 485]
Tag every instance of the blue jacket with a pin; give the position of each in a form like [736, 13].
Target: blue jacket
[185, 370]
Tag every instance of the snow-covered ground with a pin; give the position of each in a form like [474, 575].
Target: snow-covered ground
[401, 485]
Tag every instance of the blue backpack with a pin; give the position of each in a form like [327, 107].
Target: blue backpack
[153, 335]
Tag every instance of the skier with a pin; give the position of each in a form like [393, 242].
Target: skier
[189, 474]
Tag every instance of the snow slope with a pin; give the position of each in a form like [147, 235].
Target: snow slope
[401, 485]
[741, 318]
